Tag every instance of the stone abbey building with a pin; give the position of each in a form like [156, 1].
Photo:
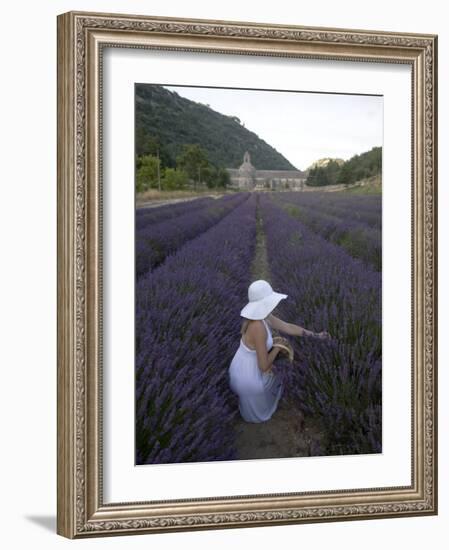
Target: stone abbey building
[247, 177]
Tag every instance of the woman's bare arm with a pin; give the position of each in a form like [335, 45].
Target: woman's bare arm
[264, 359]
[292, 329]
[288, 328]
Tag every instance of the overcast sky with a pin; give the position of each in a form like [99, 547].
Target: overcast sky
[303, 127]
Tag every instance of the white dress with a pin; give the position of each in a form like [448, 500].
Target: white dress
[259, 392]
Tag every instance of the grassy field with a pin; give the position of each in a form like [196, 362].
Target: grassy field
[371, 187]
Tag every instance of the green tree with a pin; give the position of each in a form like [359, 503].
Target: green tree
[209, 175]
[215, 177]
[361, 166]
[193, 160]
[318, 177]
[147, 173]
[223, 177]
[174, 179]
[311, 177]
[332, 170]
[141, 139]
[148, 144]
[345, 174]
[355, 169]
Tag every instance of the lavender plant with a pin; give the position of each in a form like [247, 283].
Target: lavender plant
[187, 328]
[356, 237]
[155, 241]
[365, 209]
[339, 380]
[148, 215]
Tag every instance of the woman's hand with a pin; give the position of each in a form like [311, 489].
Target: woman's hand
[295, 330]
[323, 335]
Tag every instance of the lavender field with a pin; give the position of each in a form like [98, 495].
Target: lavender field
[194, 262]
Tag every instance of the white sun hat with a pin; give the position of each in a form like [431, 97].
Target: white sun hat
[262, 300]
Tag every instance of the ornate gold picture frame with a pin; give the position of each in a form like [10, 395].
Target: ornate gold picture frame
[82, 39]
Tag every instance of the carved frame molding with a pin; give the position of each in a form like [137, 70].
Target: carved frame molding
[81, 39]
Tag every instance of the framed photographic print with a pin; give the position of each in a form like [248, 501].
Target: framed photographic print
[247, 274]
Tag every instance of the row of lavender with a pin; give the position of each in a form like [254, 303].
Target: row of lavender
[362, 208]
[149, 215]
[357, 237]
[155, 241]
[339, 380]
[186, 332]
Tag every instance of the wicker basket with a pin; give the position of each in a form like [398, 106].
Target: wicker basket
[284, 345]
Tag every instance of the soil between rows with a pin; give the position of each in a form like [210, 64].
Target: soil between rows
[288, 433]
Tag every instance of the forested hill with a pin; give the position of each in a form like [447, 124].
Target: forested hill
[175, 120]
[355, 169]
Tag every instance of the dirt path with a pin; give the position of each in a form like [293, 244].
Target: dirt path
[287, 433]
[260, 268]
[162, 202]
[283, 436]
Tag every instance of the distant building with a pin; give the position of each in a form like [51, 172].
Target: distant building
[248, 178]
